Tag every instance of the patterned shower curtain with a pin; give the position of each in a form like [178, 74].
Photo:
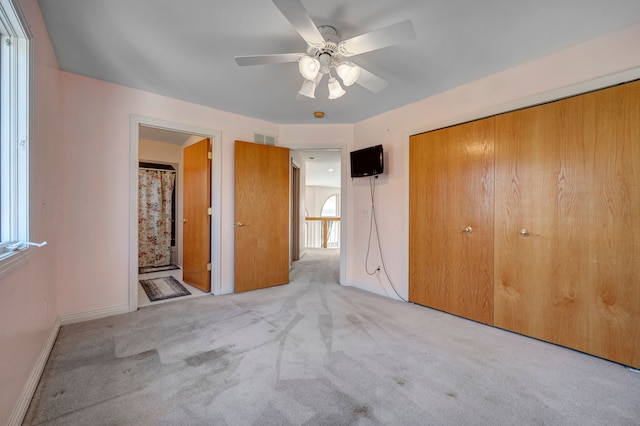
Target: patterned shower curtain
[154, 216]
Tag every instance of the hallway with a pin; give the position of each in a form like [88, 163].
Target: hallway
[316, 266]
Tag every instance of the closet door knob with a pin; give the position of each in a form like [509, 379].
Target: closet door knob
[524, 233]
[468, 230]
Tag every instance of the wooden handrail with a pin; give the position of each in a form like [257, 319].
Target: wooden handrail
[325, 226]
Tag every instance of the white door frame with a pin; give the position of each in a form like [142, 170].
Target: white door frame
[216, 195]
[343, 197]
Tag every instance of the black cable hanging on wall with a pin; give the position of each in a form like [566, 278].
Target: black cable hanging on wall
[373, 221]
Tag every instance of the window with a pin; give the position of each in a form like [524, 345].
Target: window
[330, 206]
[14, 136]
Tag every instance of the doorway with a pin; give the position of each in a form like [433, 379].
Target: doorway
[172, 136]
[321, 184]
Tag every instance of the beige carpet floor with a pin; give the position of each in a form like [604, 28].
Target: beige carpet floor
[315, 353]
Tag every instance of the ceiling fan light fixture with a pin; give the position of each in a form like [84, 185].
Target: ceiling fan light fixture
[309, 67]
[308, 89]
[335, 90]
[348, 72]
[326, 52]
[325, 62]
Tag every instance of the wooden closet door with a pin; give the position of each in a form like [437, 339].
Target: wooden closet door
[612, 130]
[567, 223]
[451, 188]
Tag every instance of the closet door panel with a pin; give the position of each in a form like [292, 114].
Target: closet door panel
[451, 216]
[538, 261]
[612, 129]
[568, 173]
[427, 216]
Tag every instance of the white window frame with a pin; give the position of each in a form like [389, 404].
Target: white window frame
[15, 83]
[337, 202]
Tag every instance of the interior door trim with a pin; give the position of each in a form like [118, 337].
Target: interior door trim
[216, 197]
[344, 152]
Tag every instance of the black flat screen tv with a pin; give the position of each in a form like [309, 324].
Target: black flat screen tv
[367, 162]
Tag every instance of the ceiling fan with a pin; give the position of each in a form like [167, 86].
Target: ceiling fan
[326, 53]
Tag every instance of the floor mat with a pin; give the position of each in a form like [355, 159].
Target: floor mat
[163, 288]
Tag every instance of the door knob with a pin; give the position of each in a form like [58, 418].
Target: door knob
[524, 233]
[184, 220]
[468, 229]
[239, 224]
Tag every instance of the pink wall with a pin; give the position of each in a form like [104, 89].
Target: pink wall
[524, 85]
[315, 135]
[96, 164]
[28, 297]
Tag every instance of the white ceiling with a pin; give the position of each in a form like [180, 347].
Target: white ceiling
[322, 167]
[185, 49]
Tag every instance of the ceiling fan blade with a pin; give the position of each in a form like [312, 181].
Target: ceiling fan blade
[268, 59]
[297, 15]
[370, 81]
[383, 37]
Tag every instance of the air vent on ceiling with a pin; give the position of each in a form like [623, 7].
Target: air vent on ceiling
[264, 139]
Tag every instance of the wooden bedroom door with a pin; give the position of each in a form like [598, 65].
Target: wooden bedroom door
[197, 220]
[261, 216]
[451, 211]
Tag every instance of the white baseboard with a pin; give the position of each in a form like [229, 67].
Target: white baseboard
[92, 315]
[374, 289]
[21, 407]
